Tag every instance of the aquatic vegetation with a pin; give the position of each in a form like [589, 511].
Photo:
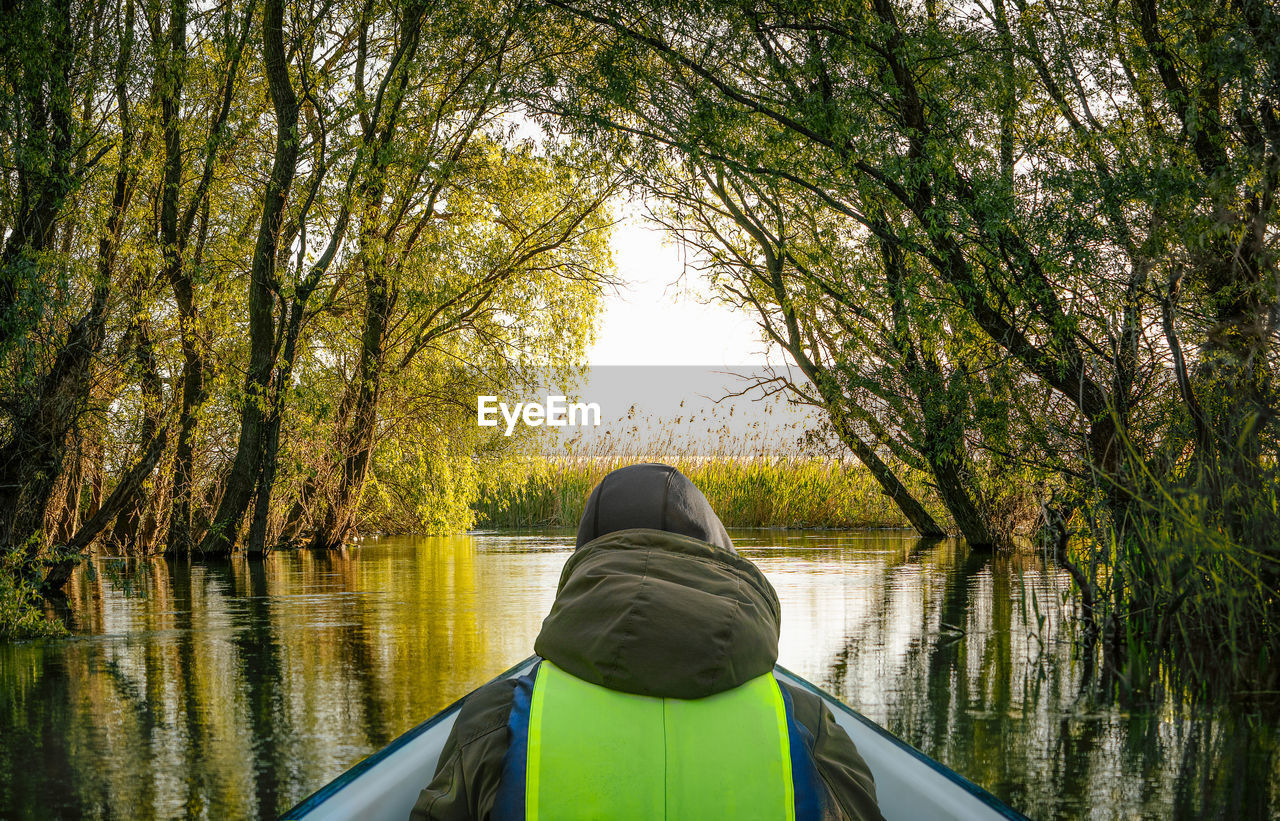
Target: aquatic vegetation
[21, 604]
[1182, 592]
[749, 483]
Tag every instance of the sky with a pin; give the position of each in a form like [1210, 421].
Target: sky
[661, 315]
[668, 360]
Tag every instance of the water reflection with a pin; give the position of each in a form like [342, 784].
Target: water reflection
[235, 689]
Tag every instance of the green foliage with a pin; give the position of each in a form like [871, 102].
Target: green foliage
[1016, 243]
[21, 605]
[1024, 252]
[427, 246]
[1187, 579]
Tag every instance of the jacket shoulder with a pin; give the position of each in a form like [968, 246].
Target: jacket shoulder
[848, 780]
[465, 785]
[484, 711]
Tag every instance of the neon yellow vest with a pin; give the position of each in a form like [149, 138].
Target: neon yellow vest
[594, 753]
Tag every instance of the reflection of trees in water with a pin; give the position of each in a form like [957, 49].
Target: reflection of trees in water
[232, 689]
[993, 685]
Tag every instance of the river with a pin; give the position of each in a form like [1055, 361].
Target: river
[233, 690]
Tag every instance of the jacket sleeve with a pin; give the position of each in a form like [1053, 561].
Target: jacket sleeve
[465, 785]
[846, 776]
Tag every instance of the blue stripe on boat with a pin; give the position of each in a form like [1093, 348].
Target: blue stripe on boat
[804, 775]
[509, 804]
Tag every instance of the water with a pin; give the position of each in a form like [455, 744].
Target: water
[234, 690]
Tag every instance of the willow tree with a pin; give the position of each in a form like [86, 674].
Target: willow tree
[67, 188]
[395, 102]
[1091, 184]
[897, 369]
[499, 268]
[199, 205]
[186, 200]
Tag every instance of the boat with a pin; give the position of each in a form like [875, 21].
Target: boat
[909, 785]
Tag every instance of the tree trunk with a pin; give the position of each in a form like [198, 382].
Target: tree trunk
[125, 533]
[180, 536]
[173, 243]
[358, 438]
[266, 479]
[944, 411]
[296, 520]
[953, 486]
[271, 445]
[890, 485]
[175, 232]
[32, 459]
[68, 520]
[126, 490]
[220, 540]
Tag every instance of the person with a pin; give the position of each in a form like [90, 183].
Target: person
[654, 695]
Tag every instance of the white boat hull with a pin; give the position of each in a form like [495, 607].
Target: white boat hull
[910, 786]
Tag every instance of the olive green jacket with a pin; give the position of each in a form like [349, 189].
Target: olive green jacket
[657, 614]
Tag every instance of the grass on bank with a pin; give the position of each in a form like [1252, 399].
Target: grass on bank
[747, 487]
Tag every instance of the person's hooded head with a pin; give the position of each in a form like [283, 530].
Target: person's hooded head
[655, 600]
[653, 496]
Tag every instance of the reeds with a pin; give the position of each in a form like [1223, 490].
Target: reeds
[1186, 584]
[749, 484]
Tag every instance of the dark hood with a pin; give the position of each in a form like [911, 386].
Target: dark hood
[660, 614]
[655, 612]
[652, 496]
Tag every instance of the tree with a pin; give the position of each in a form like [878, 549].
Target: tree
[173, 271]
[1088, 185]
[49, 345]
